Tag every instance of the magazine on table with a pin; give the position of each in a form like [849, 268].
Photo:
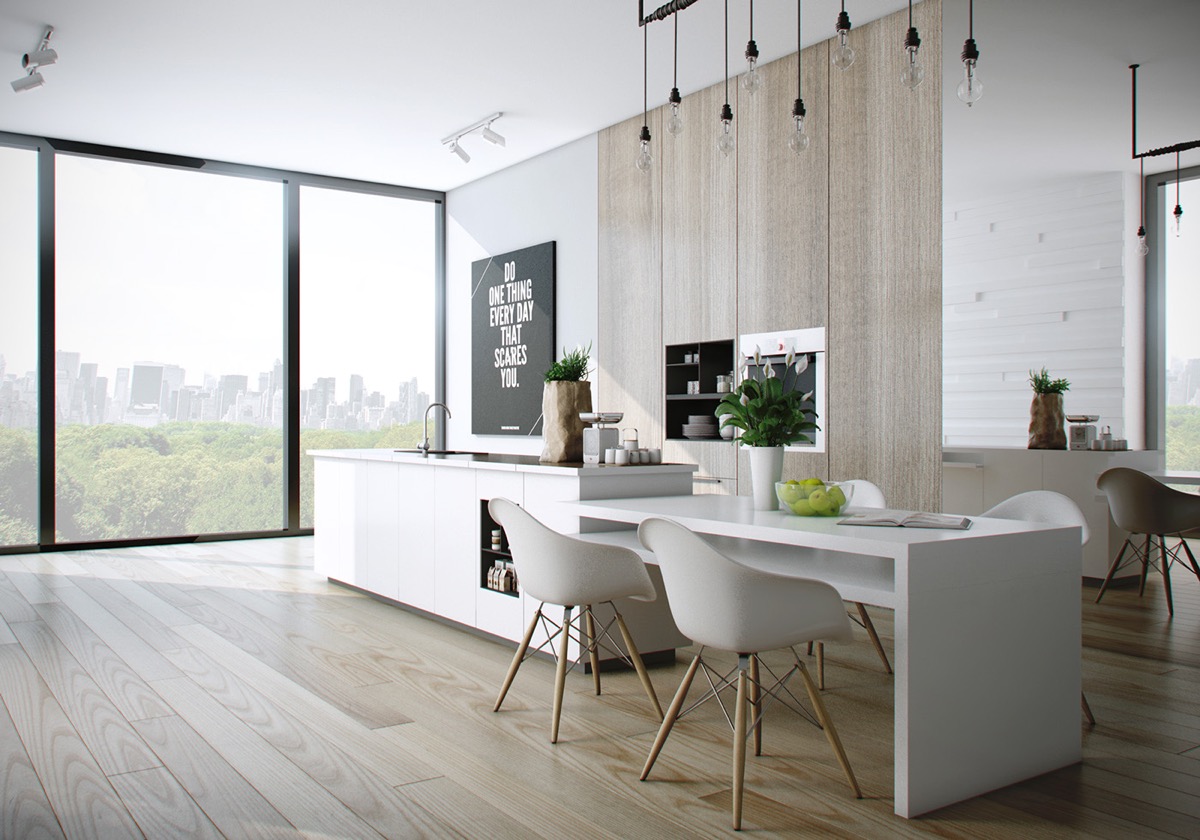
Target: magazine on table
[907, 519]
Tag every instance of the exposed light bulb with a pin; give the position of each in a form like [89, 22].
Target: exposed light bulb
[752, 79]
[725, 141]
[913, 73]
[843, 55]
[645, 160]
[798, 141]
[675, 121]
[1178, 218]
[970, 89]
[1142, 248]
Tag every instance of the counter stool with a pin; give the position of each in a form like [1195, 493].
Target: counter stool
[557, 569]
[719, 603]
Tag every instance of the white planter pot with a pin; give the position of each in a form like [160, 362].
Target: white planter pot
[766, 468]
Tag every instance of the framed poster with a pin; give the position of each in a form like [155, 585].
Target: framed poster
[512, 339]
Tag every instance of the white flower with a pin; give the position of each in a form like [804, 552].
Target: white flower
[745, 399]
[757, 356]
[802, 363]
[742, 365]
[791, 357]
[770, 372]
[807, 397]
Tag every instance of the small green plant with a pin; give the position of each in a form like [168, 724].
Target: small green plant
[768, 410]
[1043, 384]
[572, 367]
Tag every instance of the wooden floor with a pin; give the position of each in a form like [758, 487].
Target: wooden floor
[222, 689]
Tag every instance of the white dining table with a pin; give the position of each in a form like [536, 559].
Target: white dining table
[987, 628]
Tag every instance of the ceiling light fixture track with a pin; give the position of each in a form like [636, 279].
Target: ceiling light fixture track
[1174, 149]
[453, 142]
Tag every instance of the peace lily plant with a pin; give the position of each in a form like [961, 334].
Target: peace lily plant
[769, 411]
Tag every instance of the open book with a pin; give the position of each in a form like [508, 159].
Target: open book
[907, 519]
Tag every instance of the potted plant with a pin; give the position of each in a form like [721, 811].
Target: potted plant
[770, 414]
[565, 394]
[1046, 412]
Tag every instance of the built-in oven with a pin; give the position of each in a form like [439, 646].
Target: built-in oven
[774, 348]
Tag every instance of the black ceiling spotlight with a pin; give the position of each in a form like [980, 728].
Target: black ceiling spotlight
[1175, 149]
[752, 80]
[970, 88]
[33, 61]
[843, 55]
[913, 73]
[798, 140]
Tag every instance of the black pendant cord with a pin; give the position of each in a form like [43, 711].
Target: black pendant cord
[726, 53]
[799, 45]
[970, 18]
[1142, 162]
[675, 59]
[1177, 180]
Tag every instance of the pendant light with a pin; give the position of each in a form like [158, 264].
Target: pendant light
[645, 160]
[970, 88]
[842, 56]
[913, 73]
[752, 79]
[1142, 248]
[1178, 209]
[798, 140]
[725, 141]
[675, 121]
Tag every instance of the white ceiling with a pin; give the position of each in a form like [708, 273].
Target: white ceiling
[368, 89]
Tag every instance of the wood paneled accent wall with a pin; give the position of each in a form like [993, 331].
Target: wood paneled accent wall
[847, 236]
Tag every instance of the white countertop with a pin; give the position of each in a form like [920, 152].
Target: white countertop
[495, 461]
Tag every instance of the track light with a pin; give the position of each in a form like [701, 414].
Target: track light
[454, 141]
[492, 137]
[28, 82]
[42, 56]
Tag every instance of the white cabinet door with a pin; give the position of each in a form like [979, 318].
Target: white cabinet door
[333, 532]
[416, 548]
[380, 544]
[456, 522]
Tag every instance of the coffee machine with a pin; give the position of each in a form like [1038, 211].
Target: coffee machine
[598, 437]
[1082, 430]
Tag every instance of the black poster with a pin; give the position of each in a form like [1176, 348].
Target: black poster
[512, 339]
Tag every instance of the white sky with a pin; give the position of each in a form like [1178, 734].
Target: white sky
[186, 268]
[1183, 271]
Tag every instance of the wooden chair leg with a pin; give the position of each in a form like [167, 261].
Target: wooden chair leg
[739, 743]
[1191, 557]
[756, 703]
[671, 716]
[560, 675]
[518, 659]
[593, 653]
[870, 626]
[1087, 710]
[830, 732]
[821, 665]
[638, 665]
[1165, 565]
[810, 648]
[1112, 570]
[1145, 566]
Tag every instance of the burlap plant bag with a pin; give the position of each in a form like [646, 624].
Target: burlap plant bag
[562, 429]
[1046, 422]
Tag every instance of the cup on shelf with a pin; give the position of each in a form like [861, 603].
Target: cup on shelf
[655, 456]
[610, 455]
[621, 457]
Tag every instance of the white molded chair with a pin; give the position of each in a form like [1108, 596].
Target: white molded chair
[866, 496]
[1050, 508]
[557, 569]
[720, 603]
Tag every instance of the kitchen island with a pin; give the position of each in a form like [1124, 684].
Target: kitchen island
[414, 529]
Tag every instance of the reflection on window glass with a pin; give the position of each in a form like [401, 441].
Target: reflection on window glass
[1182, 273]
[367, 316]
[169, 390]
[18, 347]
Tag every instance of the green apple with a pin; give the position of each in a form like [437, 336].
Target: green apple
[812, 483]
[819, 500]
[790, 492]
[801, 507]
[837, 498]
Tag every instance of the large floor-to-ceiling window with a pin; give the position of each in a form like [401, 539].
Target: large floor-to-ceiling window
[1180, 277]
[192, 327]
[18, 347]
[368, 282]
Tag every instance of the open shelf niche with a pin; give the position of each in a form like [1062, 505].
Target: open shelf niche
[706, 360]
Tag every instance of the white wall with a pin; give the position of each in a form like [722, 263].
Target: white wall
[550, 197]
[1038, 278]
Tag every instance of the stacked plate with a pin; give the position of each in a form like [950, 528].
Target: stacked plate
[701, 427]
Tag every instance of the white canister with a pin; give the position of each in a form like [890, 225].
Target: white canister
[655, 456]
[622, 457]
[610, 455]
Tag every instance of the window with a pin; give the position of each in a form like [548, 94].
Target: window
[1180, 271]
[18, 347]
[368, 282]
[169, 392]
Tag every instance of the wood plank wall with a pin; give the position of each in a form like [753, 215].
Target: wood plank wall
[849, 238]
